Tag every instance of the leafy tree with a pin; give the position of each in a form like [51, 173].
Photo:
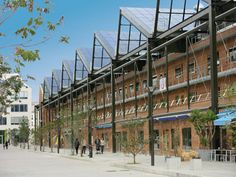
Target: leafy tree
[230, 92]
[203, 123]
[14, 136]
[35, 29]
[134, 143]
[24, 131]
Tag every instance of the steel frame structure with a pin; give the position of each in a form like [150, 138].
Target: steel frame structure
[157, 41]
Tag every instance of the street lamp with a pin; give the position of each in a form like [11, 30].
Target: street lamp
[58, 133]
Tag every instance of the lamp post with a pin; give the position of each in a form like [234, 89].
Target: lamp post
[58, 134]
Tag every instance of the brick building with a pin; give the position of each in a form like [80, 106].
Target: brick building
[154, 73]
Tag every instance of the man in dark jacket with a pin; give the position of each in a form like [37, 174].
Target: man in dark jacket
[77, 146]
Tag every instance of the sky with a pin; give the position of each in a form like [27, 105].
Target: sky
[82, 19]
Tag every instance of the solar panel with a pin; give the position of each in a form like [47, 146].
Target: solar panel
[85, 54]
[57, 79]
[127, 42]
[144, 18]
[69, 66]
[48, 84]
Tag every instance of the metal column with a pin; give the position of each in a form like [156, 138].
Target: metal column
[167, 80]
[213, 57]
[58, 128]
[89, 112]
[72, 118]
[187, 66]
[150, 101]
[113, 108]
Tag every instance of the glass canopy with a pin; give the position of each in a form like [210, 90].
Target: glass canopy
[56, 80]
[47, 86]
[144, 18]
[83, 62]
[128, 41]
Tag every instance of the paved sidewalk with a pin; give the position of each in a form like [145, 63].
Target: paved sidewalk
[209, 169]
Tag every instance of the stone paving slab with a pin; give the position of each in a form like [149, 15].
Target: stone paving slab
[209, 169]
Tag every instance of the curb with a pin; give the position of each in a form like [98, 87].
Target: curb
[154, 171]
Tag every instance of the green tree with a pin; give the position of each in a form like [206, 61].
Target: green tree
[229, 93]
[24, 132]
[203, 123]
[35, 29]
[135, 142]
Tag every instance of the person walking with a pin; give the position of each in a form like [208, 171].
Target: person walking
[97, 143]
[84, 147]
[102, 145]
[6, 144]
[77, 143]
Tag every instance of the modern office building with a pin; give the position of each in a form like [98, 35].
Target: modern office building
[20, 108]
[159, 66]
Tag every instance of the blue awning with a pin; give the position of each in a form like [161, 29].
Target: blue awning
[171, 118]
[225, 117]
[107, 125]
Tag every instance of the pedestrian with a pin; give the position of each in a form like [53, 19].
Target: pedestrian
[84, 147]
[97, 143]
[102, 145]
[77, 143]
[6, 144]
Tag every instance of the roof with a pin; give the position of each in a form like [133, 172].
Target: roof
[144, 18]
[56, 76]
[69, 66]
[225, 117]
[85, 55]
[47, 85]
[108, 39]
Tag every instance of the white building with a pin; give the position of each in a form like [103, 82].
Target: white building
[20, 108]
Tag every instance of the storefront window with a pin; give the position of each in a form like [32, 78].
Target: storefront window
[186, 136]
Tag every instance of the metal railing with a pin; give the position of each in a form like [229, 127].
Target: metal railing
[223, 155]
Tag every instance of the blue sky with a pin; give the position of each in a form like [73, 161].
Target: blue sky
[82, 19]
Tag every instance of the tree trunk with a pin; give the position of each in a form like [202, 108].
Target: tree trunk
[134, 158]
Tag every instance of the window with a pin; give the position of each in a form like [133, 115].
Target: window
[163, 103]
[178, 71]
[177, 99]
[124, 136]
[137, 86]
[186, 135]
[141, 135]
[182, 99]
[157, 139]
[144, 84]
[154, 80]
[19, 108]
[193, 97]
[23, 95]
[141, 138]
[3, 121]
[131, 88]
[120, 91]
[209, 62]
[17, 120]
[191, 67]
[172, 138]
[232, 54]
